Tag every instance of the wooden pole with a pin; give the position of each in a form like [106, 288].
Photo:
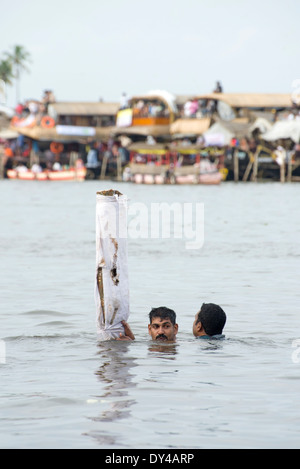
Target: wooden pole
[255, 166]
[249, 166]
[103, 167]
[290, 167]
[282, 172]
[236, 165]
[119, 167]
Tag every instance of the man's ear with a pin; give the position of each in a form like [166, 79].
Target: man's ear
[199, 327]
[149, 329]
[175, 328]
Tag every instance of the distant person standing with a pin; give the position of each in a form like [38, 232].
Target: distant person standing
[218, 88]
[124, 102]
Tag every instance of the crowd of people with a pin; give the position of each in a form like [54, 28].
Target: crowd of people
[23, 155]
[150, 108]
[144, 107]
[201, 107]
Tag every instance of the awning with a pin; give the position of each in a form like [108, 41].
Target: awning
[261, 124]
[283, 130]
[217, 135]
[221, 133]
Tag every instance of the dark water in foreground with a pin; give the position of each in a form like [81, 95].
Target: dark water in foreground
[60, 389]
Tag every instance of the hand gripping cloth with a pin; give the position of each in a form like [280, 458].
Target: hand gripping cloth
[111, 283]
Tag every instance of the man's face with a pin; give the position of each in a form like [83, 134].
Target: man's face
[162, 329]
[195, 324]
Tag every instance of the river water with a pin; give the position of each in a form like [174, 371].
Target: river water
[60, 388]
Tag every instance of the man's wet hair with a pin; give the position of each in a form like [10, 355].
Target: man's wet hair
[163, 312]
[212, 318]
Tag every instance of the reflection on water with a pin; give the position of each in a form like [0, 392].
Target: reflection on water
[115, 372]
[163, 350]
[115, 375]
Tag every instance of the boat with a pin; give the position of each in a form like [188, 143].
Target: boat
[160, 164]
[71, 174]
[150, 114]
[68, 122]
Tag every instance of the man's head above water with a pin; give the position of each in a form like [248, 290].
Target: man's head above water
[209, 321]
[163, 325]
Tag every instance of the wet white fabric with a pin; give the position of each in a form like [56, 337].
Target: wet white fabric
[111, 283]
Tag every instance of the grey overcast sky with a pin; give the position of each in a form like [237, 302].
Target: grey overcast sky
[89, 49]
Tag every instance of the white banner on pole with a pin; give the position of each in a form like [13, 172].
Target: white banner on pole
[111, 283]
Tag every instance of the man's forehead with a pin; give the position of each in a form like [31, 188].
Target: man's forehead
[157, 319]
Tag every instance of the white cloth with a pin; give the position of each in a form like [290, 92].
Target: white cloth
[111, 285]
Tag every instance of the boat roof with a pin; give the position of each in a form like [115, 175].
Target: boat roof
[51, 134]
[251, 100]
[84, 108]
[168, 98]
[160, 148]
[190, 126]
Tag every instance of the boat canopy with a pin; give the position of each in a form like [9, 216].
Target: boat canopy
[283, 130]
[71, 133]
[83, 109]
[190, 126]
[251, 100]
[161, 149]
[221, 133]
[167, 98]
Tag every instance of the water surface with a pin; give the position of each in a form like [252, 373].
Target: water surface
[62, 389]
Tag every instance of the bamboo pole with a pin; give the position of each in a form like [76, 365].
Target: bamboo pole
[119, 167]
[249, 166]
[236, 165]
[103, 167]
[282, 172]
[290, 170]
[255, 165]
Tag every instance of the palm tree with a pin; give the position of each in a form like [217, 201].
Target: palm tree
[6, 75]
[18, 58]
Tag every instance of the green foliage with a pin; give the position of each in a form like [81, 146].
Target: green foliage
[6, 71]
[13, 64]
[18, 58]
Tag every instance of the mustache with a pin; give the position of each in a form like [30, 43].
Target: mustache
[161, 336]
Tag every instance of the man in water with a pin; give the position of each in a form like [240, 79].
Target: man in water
[209, 322]
[162, 326]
